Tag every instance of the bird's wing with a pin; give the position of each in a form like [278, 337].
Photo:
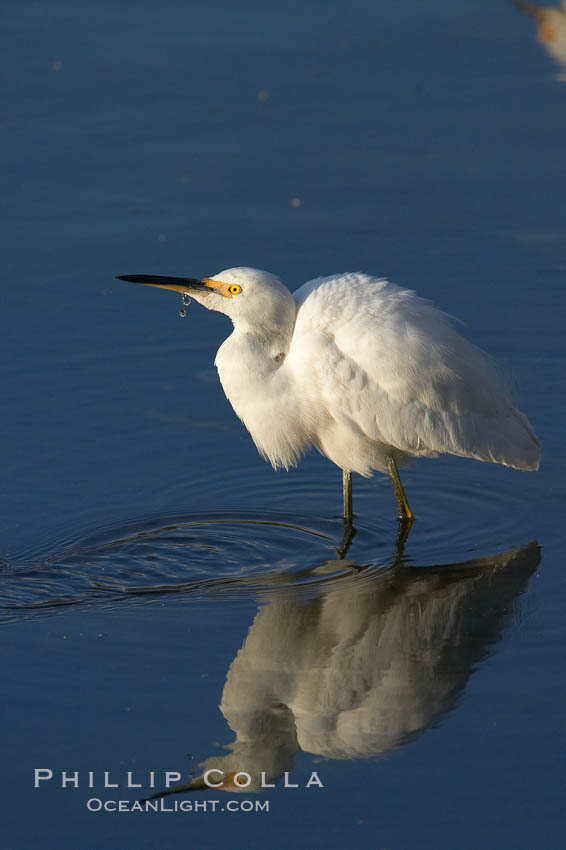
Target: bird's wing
[395, 368]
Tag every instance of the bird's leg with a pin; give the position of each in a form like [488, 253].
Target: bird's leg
[402, 533]
[347, 496]
[349, 530]
[405, 513]
[346, 542]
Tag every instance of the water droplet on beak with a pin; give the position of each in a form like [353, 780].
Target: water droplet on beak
[185, 300]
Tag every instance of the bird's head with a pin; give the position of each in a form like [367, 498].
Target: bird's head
[255, 300]
[551, 21]
[251, 766]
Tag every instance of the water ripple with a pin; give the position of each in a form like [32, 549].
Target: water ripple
[233, 554]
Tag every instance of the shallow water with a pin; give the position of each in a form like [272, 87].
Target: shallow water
[152, 566]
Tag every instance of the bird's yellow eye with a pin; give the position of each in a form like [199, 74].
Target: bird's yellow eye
[234, 289]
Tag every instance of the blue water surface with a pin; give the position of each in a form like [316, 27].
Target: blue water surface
[163, 591]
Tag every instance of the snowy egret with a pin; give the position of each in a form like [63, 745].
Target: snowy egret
[551, 31]
[363, 370]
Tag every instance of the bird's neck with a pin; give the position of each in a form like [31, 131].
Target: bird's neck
[250, 354]
[253, 374]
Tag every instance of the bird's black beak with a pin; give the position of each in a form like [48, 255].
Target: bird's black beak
[197, 784]
[178, 284]
[530, 8]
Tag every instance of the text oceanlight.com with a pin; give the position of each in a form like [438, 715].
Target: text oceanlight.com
[188, 806]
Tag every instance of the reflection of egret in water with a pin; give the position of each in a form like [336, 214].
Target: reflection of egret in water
[364, 668]
[551, 29]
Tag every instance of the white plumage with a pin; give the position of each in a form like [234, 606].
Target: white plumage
[358, 368]
[363, 370]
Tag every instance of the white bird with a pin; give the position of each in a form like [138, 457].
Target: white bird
[363, 370]
[551, 29]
